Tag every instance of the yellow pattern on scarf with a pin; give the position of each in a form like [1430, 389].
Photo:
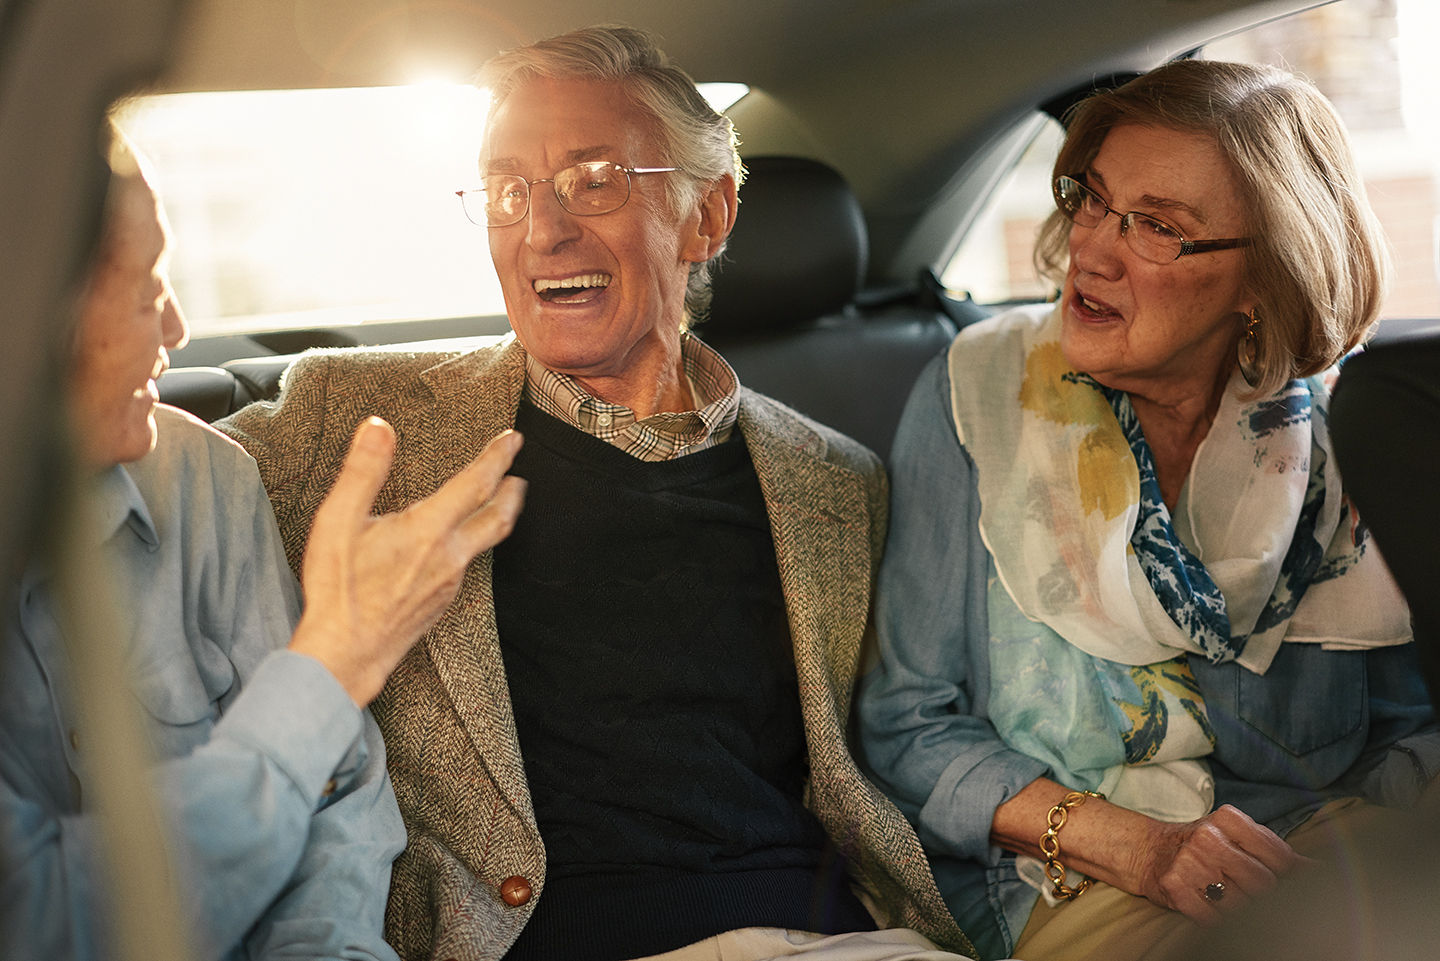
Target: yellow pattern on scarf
[1104, 467]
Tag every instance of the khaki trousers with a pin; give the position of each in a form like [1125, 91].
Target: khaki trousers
[1107, 924]
[758, 944]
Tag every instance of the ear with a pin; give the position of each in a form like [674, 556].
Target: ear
[717, 210]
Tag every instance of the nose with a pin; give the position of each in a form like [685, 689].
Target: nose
[1096, 250]
[549, 224]
[174, 330]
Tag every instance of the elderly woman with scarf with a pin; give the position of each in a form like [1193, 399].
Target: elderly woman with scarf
[1134, 643]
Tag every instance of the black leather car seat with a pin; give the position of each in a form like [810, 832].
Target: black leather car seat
[788, 310]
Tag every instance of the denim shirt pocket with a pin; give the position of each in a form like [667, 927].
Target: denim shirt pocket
[1302, 723]
[182, 695]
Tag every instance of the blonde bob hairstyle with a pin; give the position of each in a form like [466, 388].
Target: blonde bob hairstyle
[1318, 265]
[691, 134]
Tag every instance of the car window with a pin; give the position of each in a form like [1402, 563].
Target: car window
[1370, 57]
[994, 264]
[324, 208]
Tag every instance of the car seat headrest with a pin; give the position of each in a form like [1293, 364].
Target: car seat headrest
[798, 251]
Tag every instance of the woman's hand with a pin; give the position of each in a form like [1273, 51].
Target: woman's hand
[373, 584]
[1224, 853]
[1172, 865]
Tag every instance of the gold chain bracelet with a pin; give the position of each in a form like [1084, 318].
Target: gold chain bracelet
[1050, 844]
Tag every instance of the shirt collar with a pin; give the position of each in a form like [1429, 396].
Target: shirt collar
[119, 503]
[662, 436]
[113, 503]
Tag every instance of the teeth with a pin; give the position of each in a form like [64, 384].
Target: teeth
[1091, 305]
[567, 283]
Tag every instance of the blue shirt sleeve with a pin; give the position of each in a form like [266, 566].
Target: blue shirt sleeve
[271, 782]
[287, 820]
[922, 725]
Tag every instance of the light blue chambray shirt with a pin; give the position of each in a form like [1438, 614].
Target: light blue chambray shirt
[272, 782]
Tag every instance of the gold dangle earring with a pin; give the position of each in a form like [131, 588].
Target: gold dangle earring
[1250, 349]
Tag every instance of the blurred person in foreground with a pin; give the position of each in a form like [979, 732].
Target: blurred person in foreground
[1377, 899]
[269, 774]
[627, 736]
[1137, 654]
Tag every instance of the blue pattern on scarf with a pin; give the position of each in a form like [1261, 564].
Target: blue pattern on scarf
[1179, 579]
[1304, 559]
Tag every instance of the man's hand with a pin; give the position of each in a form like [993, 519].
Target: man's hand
[372, 584]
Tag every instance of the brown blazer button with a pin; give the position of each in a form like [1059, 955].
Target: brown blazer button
[515, 891]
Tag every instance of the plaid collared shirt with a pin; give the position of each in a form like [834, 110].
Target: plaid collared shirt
[662, 436]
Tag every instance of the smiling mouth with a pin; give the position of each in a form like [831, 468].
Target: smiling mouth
[1095, 307]
[151, 389]
[571, 290]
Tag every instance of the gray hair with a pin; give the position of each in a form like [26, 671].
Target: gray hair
[693, 136]
[1318, 265]
[130, 199]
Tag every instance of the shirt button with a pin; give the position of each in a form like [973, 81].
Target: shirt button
[329, 788]
[603, 420]
[515, 891]
[74, 739]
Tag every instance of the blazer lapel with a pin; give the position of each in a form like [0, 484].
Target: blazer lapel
[820, 521]
[476, 397]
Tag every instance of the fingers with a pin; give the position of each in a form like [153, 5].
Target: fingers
[476, 484]
[1227, 860]
[374, 584]
[477, 508]
[367, 464]
[1261, 843]
[1204, 876]
[1195, 906]
[494, 522]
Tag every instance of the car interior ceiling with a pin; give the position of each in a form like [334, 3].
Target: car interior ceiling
[936, 105]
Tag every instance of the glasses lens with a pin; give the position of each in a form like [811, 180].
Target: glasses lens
[1078, 202]
[592, 188]
[1153, 239]
[501, 201]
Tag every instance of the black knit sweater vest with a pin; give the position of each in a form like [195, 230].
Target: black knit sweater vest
[650, 667]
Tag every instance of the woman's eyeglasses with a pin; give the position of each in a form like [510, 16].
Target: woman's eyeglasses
[1153, 239]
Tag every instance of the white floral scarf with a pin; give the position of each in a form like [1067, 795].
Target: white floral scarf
[1100, 594]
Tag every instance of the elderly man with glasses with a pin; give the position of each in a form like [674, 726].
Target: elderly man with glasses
[627, 736]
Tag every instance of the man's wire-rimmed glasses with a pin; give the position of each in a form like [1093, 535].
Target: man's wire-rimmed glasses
[1153, 239]
[585, 190]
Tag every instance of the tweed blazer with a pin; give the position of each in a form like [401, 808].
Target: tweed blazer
[446, 715]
